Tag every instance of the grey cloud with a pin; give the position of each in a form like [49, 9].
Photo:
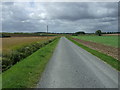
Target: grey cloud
[76, 11]
[61, 17]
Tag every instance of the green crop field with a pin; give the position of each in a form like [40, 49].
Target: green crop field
[106, 40]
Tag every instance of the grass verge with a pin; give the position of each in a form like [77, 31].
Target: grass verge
[26, 73]
[108, 59]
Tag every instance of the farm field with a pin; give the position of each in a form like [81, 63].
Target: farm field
[13, 43]
[106, 40]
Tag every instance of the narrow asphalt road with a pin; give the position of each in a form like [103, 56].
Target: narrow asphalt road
[73, 67]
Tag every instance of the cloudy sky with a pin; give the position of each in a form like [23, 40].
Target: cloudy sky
[60, 16]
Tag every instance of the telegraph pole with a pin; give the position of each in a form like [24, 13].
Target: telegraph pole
[47, 31]
[47, 28]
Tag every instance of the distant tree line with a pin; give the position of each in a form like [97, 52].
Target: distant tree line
[110, 32]
[2, 35]
[78, 33]
[99, 32]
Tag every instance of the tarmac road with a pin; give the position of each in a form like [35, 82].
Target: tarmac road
[73, 67]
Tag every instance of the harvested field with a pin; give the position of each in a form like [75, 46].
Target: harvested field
[111, 51]
[17, 42]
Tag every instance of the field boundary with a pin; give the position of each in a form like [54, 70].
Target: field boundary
[26, 73]
[108, 59]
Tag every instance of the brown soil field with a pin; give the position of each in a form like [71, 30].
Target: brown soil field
[111, 51]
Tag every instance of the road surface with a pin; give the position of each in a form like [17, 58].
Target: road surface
[73, 67]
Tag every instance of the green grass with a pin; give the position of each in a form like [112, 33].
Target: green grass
[0, 81]
[108, 59]
[106, 40]
[26, 73]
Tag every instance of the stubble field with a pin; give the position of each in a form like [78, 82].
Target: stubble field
[13, 43]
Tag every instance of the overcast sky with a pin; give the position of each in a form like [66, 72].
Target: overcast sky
[60, 16]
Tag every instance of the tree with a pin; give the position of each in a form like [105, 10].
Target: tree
[98, 32]
[80, 32]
